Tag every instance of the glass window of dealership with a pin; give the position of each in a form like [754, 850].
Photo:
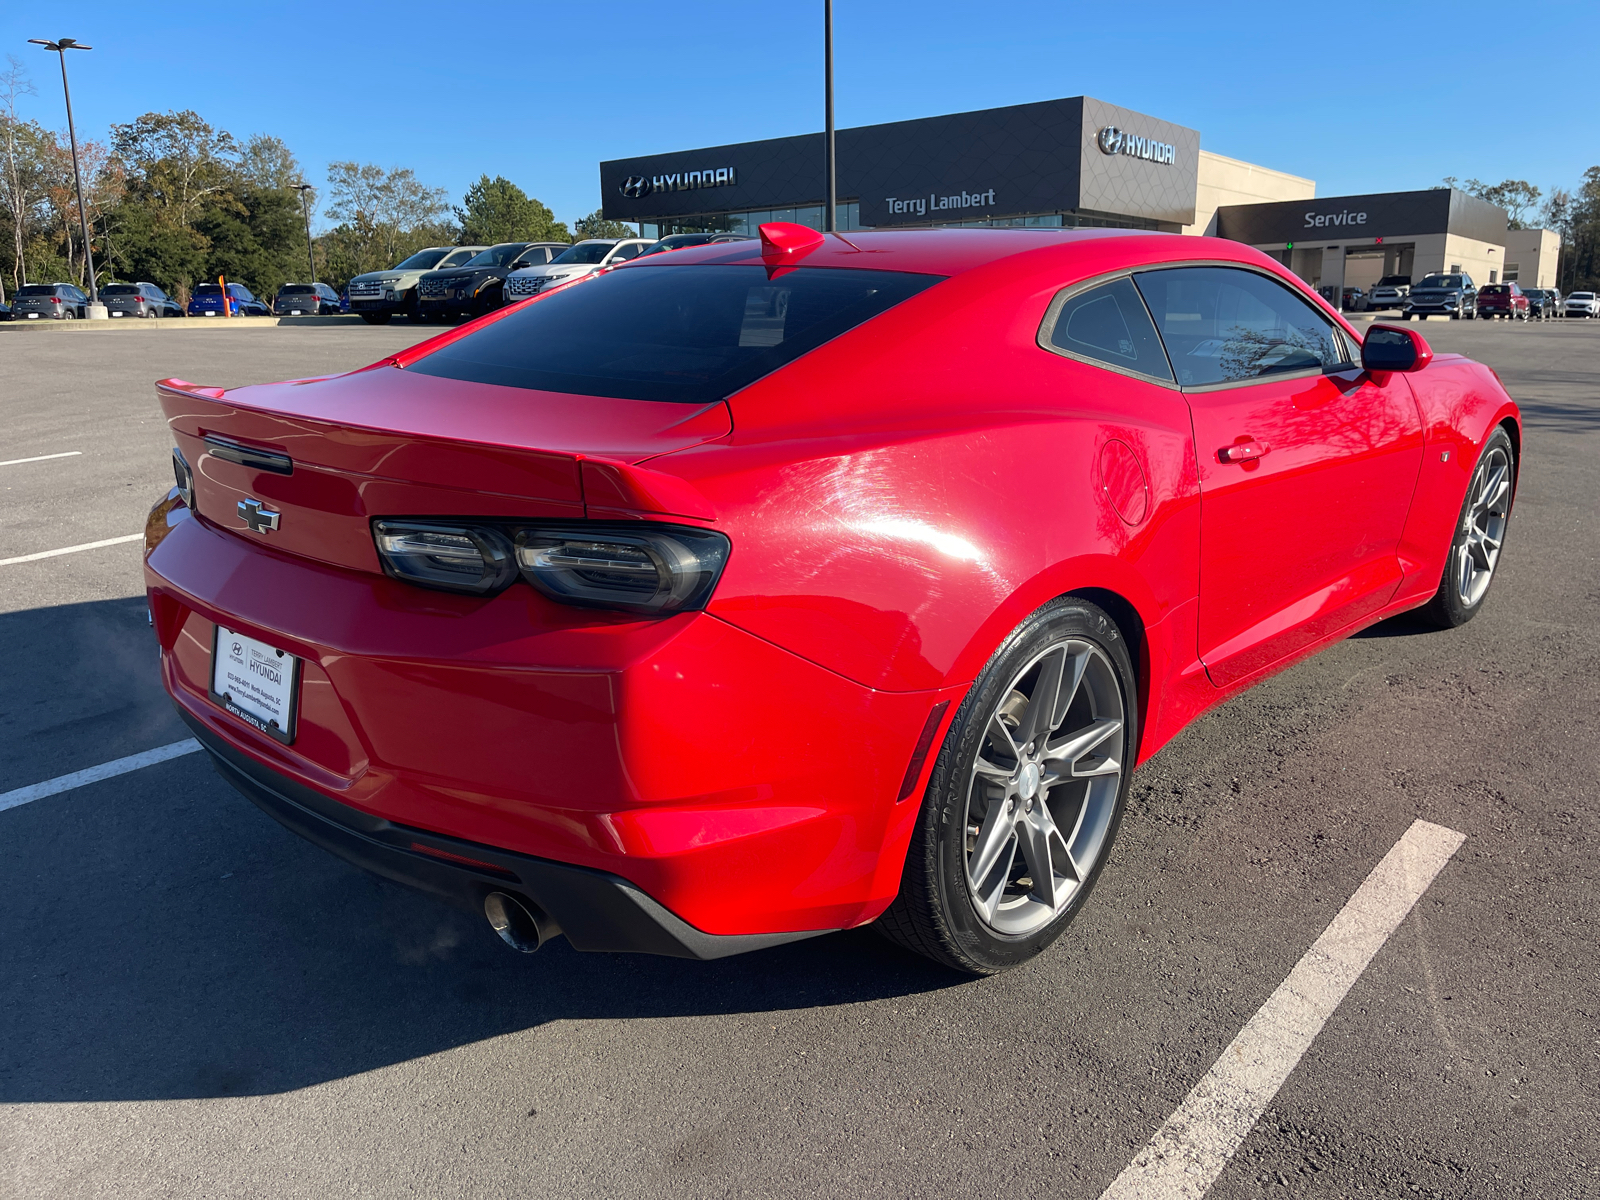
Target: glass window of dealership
[1073, 163]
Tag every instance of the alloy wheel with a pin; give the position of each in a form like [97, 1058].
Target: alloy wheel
[1043, 788]
[1484, 525]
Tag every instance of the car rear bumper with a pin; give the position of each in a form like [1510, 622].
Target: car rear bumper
[596, 911]
[743, 788]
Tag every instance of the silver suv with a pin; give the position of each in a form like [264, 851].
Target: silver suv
[577, 260]
[379, 295]
[1389, 292]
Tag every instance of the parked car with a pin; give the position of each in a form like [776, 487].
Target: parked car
[206, 301]
[477, 285]
[1451, 295]
[1355, 299]
[379, 295]
[523, 621]
[1502, 300]
[1543, 303]
[49, 302]
[576, 261]
[1389, 292]
[344, 299]
[678, 241]
[305, 299]
[1581, 304]
[144, 300]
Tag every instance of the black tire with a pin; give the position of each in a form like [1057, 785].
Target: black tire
[376, 318]
[1449, 609]
[935, 913]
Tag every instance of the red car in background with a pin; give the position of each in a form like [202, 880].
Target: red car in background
[1502, 300]
[771, 588]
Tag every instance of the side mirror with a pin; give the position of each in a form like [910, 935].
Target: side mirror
[1387, 348]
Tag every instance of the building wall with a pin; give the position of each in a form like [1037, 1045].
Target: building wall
[1224, 180]
[1533, 253]
[1476, 258]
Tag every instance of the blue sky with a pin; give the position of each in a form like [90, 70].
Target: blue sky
[542, 92]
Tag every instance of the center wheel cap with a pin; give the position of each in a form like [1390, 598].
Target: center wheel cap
[1028, 781]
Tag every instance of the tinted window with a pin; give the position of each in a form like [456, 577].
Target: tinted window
[496, 256]
[1495, 289]
[1222, 325]
[584, 252]
[624, 253]
[207, 289]
[689, 333]
[45, 289]
[120, 289]
[1109, 324]
[298, 289]
[1441, 281]
[457, 258]
[423, 260]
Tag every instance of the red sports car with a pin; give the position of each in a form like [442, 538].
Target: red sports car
[777, 587]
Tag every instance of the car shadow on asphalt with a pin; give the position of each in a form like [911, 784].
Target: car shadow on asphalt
[161, 938]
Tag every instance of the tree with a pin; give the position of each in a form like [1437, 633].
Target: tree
[1516, 196]
[497, 210]
[382, 215]
[22, 177]
[178, 159]
[596, 226]
[267, 162]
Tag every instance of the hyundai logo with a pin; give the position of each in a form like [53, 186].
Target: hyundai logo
[635, 187]
[259, 519]
[1112, 140]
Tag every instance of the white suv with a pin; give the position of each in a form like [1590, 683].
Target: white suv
[577, 260]
[1582, 304]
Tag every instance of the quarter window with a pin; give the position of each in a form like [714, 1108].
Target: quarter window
[1107, 324]
[1223, 325]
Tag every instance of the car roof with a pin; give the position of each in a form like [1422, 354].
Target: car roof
[952, 251]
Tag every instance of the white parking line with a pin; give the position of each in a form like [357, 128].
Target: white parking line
[13, 462]
[116, 541]
[117, 766]
[1186, 1155]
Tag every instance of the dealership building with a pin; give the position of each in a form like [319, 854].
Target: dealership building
[1072, 163]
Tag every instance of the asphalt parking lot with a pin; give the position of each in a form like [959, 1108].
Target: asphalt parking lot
[197, 1003]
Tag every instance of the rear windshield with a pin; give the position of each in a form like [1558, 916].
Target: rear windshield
[1494, 289]
[46, 289]
[298, 289]
[120, 289]
[423, 260]
[691, 333]
[207, 289]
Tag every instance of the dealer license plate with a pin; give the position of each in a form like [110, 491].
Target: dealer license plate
[294, 312]
[33, 316]
[257, 683]
[116, 314]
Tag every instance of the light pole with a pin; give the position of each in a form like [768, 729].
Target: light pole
[829, 224]
[60, 47]
[305, 205]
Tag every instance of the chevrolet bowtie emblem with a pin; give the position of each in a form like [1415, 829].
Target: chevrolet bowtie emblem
[259, 519]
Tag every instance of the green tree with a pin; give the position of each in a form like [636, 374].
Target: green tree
[596, 226]
[1517, 196]
[497, 210]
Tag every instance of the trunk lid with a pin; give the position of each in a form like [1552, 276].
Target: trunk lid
[328, 455]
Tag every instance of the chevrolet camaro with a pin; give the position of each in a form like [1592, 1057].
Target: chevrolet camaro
[777, 587]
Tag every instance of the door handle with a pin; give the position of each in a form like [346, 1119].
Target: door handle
[1239, 452]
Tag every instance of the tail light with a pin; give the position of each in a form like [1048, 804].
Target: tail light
[656, 570]
[55, 299]
[184, 478]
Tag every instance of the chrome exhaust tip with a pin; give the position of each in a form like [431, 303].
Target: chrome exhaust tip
[521, 925]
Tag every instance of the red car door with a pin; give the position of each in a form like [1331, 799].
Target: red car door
[1307, 465]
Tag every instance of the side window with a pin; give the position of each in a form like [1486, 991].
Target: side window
[1106, 324]
[626, 251]
[1225, 325]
